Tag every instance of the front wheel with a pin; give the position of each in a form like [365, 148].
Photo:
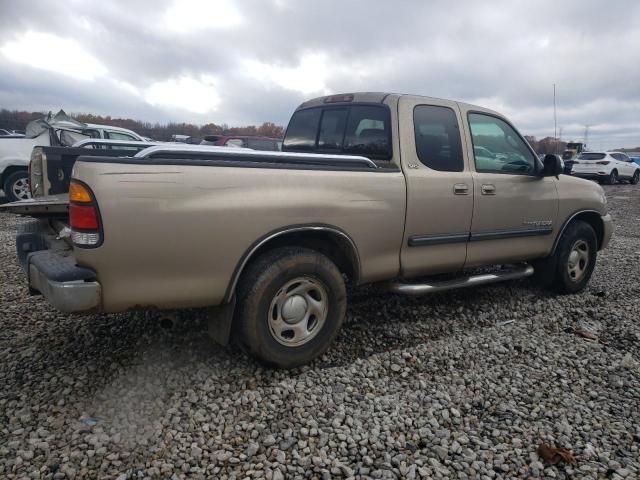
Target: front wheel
[575, 258]
[291, 304]
[16, 186]
[636, 178]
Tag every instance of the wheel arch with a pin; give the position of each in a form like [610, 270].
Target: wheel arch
[326, 239]
[592, 217]
[9, 170]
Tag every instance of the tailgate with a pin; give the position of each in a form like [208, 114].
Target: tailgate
[52, 206]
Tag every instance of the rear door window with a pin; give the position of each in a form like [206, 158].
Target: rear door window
[438, 142]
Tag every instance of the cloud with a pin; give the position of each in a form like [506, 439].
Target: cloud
[196, 95]
[190, 16]
[249, 61]
[55, 54]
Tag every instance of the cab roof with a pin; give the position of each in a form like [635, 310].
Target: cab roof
[377, 97]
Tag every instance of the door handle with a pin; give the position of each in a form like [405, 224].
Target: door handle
[461, 189]
[488, 189]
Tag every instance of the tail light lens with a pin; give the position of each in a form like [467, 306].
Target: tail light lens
[604, 162]
[84, 216]
[36, 172]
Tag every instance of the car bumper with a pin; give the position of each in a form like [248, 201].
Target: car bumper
[607, 231]
[52, 271]
[590, 175]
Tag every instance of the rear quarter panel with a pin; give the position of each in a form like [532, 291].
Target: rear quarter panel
[173, 235]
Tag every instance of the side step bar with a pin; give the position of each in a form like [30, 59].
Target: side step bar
[462, 282]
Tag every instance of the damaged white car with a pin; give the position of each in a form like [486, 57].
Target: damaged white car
[57, 130]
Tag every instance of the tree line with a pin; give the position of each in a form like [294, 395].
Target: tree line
[18, 120]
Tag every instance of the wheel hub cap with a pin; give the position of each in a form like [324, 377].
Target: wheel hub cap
[298, 311]
[578, 260]
[294, 309]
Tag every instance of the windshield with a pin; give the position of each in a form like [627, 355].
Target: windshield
[591, 156]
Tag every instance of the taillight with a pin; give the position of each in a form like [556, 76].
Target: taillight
[36, 174]
[604, 162]
[84, 216]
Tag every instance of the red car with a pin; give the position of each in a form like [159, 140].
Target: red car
[245, 141]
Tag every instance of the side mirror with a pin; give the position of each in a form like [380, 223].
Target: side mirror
[552, 166]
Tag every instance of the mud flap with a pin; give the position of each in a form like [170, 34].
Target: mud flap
[219, 320]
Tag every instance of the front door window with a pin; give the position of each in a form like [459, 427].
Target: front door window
[497, 147]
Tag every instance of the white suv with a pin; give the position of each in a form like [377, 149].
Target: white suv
[606, 167]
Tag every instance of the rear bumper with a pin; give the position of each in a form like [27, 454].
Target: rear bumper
[52, 271]
[589, 175]
[607, 231]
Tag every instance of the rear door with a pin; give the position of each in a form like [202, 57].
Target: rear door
[515, 209]
[626, 168]
[439, 187]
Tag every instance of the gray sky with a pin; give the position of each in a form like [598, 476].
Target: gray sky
[249, 61]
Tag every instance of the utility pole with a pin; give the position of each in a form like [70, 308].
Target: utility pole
[555, 120]
[586, 135]
[559, 139]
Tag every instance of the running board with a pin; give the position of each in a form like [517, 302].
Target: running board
[462, 282]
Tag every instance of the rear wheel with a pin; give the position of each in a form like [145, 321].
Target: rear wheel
[635, 178]
[16, 186]
[612, 179]
[291, 304]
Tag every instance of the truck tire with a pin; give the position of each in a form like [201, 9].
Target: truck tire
[570, 268]
[16, 186]
[291, 304]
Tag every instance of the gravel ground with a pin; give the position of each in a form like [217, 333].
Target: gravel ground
[465, 384]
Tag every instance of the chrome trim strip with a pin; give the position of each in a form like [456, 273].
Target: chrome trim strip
[254, 248]
[122, 143]
[230, 153]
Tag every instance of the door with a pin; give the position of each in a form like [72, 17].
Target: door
[626, 167]
[439, 187]
[515, 209]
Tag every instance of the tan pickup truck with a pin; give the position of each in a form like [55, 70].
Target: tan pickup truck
[370, 188]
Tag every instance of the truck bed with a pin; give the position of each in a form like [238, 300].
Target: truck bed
[166, 213]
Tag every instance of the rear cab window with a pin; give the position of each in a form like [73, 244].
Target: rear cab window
[359, 129]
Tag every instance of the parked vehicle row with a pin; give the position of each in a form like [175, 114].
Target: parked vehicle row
[53, 136]
[605, 167]
[55, 130]
[369, 188]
